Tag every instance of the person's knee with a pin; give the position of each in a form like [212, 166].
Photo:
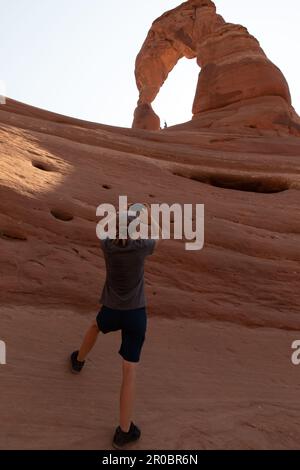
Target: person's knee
[95, 328]
[129, 368]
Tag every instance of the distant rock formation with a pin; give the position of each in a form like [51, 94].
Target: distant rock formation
[234, 69]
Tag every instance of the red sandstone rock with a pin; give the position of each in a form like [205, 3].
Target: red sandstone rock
[234, 68]
[56, 170]
[231, 310]
[145, 118]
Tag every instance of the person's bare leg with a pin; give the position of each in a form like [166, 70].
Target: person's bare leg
[127, 394]
[88, 342]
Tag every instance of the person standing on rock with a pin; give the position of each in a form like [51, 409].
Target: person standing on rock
[123, 309]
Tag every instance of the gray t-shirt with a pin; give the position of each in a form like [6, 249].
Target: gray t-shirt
[124, 285]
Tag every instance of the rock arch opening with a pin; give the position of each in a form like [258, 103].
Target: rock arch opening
[174, 102]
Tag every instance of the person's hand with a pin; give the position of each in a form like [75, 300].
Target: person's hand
[145, 214]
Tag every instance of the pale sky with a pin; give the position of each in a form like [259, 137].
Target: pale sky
[76, 57]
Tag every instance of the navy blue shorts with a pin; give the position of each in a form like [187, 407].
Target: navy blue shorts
[133, 325]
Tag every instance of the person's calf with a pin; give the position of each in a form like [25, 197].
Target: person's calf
[127, 395]
[88, 342]
[78, 357]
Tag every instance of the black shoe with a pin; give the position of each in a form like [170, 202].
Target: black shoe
[76, 365]
[122, 438]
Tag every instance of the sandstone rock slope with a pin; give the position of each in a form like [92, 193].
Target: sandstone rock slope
[55, 171]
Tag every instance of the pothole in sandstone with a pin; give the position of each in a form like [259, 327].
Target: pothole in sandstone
[240, 183]
[12, 235]
[41, 165]
[62, 215]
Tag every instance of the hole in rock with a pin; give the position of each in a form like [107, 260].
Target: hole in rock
[106, 186]
[187, 72]
[41, 166]
[12, 235]
[62, 215]
[241, 183]
[222, 139]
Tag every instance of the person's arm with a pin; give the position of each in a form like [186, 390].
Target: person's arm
[104, 241]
